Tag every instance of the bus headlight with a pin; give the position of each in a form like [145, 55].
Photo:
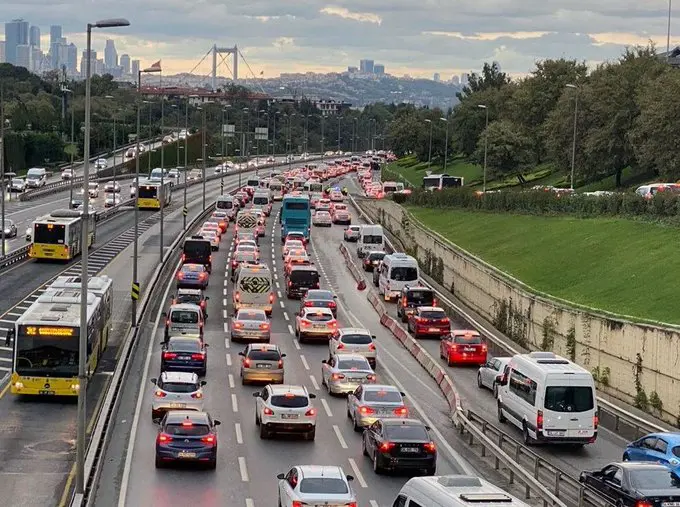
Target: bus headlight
[18, 385]
[75, 387]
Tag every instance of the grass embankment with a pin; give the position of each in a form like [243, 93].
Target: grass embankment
[617, 265]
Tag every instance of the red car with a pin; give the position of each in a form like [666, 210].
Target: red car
[463, 346]
[429, 321]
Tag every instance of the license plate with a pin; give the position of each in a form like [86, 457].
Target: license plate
[46, 392]
[670, 504]
[468, 349]
[184, 358]
[319, 327]
[289, 416]
[434, 329]
[410, 449]
[178, 405]
[185, 454]
[261, 365]
[555, 433]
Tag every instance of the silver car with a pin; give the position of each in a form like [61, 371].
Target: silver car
[342, 374]
[489, 373]
[322, 218]
[262, 363]
[176, 390]
[251, 324]
[372, 402]
[352, 233]
[349, 340]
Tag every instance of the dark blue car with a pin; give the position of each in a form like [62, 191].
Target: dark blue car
[187, 436]
[192, 276]
[661, 448]
[184, 353]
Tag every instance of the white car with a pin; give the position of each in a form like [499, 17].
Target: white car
[67, 174]
[372, 402]
[93, 190]
[316, 485]
[101, 163]
[489, 373]
[349, 340]
[212, 236]
[322, 219]
[176, 390]
[285, 409]
[352, 233]
[111, 200]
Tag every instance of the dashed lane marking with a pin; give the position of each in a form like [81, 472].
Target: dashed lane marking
[239, 434]
[296, 342]
[228, 356]
[304, 362]
[357, 473]
[226, 343]
[341, 439]
[231, 381]
[285, 316]
[314, 382]
[234, 403]
[326, 407]
[243, 469]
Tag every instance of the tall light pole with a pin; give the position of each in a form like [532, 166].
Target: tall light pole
[277, 113]
[2, 162]
[486, 142]
[290, 139]
[72, 147]
[257, 140]
[186, 158]
[82, 349]
[356, 134]
[338, 131]
[244, 111]
[573, 141]
[323, 121]
[162, 201]
[111, 97]
[225, 147]
[668, 36]
[429, 157]
[203, 154]
[446, 142]
[148, 158]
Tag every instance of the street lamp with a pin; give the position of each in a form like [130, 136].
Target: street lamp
[225, 148]
[186, 157]
[573, 142]
[356, 134]
[203, 154]
[111, 97]
[244, 111]
[72, 148]
[148, 159]
[446, 143]
[339, 130]
[323, 121]
[2, 162]
[486, 142]
[82, 351]
[429, 157]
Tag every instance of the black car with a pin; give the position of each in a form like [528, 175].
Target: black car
[372, 260]
[184, 353]
[411, 298]
[197, 250]
[192, 296]
[301, 279]
[187, 436]
[400, 444]
[319, 298]
[635, 483]
[10, 229]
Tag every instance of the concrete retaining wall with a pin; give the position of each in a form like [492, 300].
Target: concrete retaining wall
[632, 361]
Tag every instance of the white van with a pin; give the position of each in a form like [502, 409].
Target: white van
[371, 239]
[453, 491]
[184, 319]
[36, 177]
[396, 271]
[549, 398]
[276, 190]
[253, 288]
[261, 200]
[226, 203]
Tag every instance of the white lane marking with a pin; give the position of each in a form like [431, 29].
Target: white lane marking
[282, 305]
[304, 362]
[296, 342]
[226, 327]
[228, 359]
[231, 381]
[243, 469]
[226, 280]
[138, 410]
[278, 286]
[251, 503]
[224, 302]
[314, 382]
[373, 503]
[411, 374]
[224, 314]
[357, 473]
[226, 343]
[326, 407]
[278, 293]
[234, 403]
[285, 316]
[224, 292]
[239, 434]
[341, 439]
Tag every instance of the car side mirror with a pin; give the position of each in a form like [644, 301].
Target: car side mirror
[242, 354]
[335, 296]
[164, 314]
[280, 476]
[257, 395]
[172, 296]
[153, 380]
[312, 396]
[203, 382]
[207, 298]
[283, 355]
[428, 428]
[324, 361]
[403, 395]
[350, 478]
[217, 423]
[373, 336]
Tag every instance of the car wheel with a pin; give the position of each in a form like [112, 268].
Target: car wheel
[311, 435]
[212, 465]
[525, 435]
[501, 417]
[328, 388]
[479, 381]
[357, 428]
[626, 457]
[431, 470]
[257, 420]
[349, 414]
[376, 465]
[264, 434]
[159, 462]
[495, 390]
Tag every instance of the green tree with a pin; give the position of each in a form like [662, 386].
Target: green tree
[404, 133]
[491, 77]
[509, 150]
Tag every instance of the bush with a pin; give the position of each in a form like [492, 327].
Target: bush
[540, 202]
[400, 198]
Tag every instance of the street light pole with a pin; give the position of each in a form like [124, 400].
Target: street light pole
[486, 142]
[446, 142]
[186, 155]
[338, 131]
[203, 152]
[429, 157]
[2, 162]
[573, 142]
[323, 121]
[224, 158]
[84, 245]
[162, 201]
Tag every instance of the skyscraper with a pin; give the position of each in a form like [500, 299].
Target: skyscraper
[24, 56]
[55, 33]
[16, 34]
[34, 36]
[134, 68]
[366, 66]
[110, 55]
[83, 62]
[72, 59]
[379, 69]
[437, 77]
[125, 63]
[2, 51]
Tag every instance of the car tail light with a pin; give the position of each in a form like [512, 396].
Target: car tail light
[246, 363]
[485, 348]
[290, 284]
[366, 410]
[404, 302]
[238, 325]
[596, 421]
[280, 363]
[297, 503]
[332, 323]
[386, 446]
[420, 320]
[184, 257]
[203, 304]
[164, 437]
[271, 298]
[445, 320]
[198, 357]
[197, 395]
[430, 447]
[203, 276]
[400, 411]
[268, 411]
[169, 355]
[264, 326]
[371, 347]
[237, 296]
[341, 346]
[332, 304]
[234, 263]
[309, 304]
[159, 394]
[434, 301]
[317, 285]
[371, 377]
[180, 275]
[337, 376]
[210, 439]
[210, 259]
[644, 503]
[311, 412]
[539, 420]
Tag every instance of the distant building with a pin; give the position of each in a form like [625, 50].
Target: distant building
[34, 36]
[55, 33]
[366, 66]
[36, 60]
[125, 63]
[110, 55]
[2, 51]
[379, 69]
[99, 67]
[134, 68]
[464, 78]
[93, 63]
[672, 57]
[331, 107]
[437, 77]
[352, 70]
[16, 34]
[71, 59]
[455, 80]
[24, 56]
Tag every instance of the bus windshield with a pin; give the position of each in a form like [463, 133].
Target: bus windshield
[148, 192]
[52, 234]
[297, 205]
[47, 355]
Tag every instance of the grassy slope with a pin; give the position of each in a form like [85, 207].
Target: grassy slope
[616, 265]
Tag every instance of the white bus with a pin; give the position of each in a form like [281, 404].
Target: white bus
[441, 181]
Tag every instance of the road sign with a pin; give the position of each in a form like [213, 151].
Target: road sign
[229, 130]
[185, 211]
[135, 291]
[261, 133]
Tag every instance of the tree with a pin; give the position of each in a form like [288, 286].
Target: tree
[404, 132]
[491, 77]
[509, 149]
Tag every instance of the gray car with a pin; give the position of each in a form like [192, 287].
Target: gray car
[489, 373]
[352, 233]
[176, 390]
[342, 374]
[251, 324]
[369, 403]
[262, 363]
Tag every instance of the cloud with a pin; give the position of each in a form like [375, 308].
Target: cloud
[362, 17]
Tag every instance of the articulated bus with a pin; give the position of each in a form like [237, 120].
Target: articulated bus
[296, 215]
[152, 194]
[45, 359]
[57, 236]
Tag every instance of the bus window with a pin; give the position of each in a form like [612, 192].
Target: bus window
[49, 233]
[147, 192]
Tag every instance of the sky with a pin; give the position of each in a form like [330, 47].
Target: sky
[415, 37]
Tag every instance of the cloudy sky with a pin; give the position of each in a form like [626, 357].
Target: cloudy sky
[416, 37]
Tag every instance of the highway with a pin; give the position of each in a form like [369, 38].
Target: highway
[247, 466]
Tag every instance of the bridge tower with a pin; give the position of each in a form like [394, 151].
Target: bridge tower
[229, 51]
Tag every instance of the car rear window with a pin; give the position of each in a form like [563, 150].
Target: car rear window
[382, 396]
[319, 295]
[676, 451]
[376, 256]
[189, 298]
[318, 317]
[655, 479]
[242, 255]
[420, 297]
[180, 430]
[356, 339]
[193, 268]
[569, 398]
[184, 345]
[353, 364]
[264, 355]
[299, 276]
[323, 485]
[289, 401]
[406, 432]
[178, 387]
[261, 317]
[433, 314]
[184, 317]
[467, 339]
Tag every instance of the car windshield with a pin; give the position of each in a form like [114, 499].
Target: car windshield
[319, 295]
[382, 396]
[569, 398]
[653, 479]
[432, 314]
[406, 432]
[323, 485]
[376, 256]
[357, 339]
[467, 339]
[307, 277]
[353, 364]
[250, 315]
[403, 274]
[178, 387]
[289, 400]
[184, 345]
[184, 317]
[186, 430]
[318, 317]
[420, 297]
[244, 255]
[8, 222]
[264, 355]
